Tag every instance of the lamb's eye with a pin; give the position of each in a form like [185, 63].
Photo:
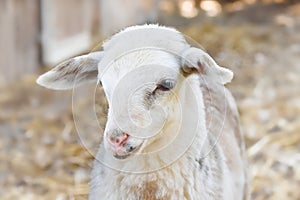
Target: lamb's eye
[165, 85]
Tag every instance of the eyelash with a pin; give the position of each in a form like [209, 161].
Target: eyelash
[164, 86]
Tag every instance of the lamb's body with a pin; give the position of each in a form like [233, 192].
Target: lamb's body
[189, 87]
[220, 174]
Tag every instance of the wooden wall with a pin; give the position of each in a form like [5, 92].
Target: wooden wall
[66, 28]
[19, 38]
[35, 33]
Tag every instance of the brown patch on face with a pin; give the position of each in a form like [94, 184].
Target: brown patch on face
[186, 71]
[201, 68]
[149, 99]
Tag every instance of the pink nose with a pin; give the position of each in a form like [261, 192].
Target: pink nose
[118, 140]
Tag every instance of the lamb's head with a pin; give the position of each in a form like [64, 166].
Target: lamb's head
[147, 86]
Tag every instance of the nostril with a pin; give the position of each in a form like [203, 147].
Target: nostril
[131, 148]
[118, 140]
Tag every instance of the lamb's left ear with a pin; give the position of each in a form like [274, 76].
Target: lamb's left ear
[72, 72]
[196, 60]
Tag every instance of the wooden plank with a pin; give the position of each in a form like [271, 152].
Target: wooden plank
[66, 28]
[19, 44]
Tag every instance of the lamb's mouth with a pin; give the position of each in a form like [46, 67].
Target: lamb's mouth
[127, 152]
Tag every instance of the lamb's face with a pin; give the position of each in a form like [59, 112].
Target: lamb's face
[144, 87]
[141, 88]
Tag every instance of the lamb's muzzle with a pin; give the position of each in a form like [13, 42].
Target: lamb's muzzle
[120, 145]
[171, 124]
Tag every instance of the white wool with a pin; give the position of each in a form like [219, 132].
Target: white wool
[141, 37]
[206, 161]
[182, 179]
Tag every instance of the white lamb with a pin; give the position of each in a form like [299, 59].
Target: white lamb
[172, 129]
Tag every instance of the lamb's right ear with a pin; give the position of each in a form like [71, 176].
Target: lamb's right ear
[196, 60]
[72, 72]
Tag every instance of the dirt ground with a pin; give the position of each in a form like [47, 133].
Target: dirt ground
[42, 156]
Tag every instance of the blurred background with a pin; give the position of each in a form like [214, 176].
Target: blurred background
[41, 154]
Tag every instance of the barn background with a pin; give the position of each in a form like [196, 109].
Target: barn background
[41, 154]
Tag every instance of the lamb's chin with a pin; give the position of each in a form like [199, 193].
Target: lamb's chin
[121, 157]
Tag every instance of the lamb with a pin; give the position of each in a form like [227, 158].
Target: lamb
[172, 128]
